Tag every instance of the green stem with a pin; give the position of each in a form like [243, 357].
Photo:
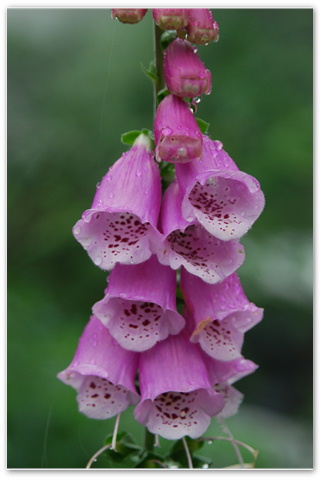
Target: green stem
[158, 56]
[149, 441]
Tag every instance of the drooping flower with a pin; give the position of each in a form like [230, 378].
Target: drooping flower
[176, 132]
[121, 224]
[192, 246]
[170, 18]
[102, 373]
[223, 199]
[221, 314]
[139, 306]
[201, 27]
[129, 15]
[184, 72]
[177, 398]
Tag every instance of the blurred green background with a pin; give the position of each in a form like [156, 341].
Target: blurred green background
[74, 86]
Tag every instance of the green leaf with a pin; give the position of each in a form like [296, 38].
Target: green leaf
[167, 37]
[178, 453]
[150, 72]
[204, 126]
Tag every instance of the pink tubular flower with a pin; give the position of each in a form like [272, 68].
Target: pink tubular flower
[121, 224]
[170, 18]
[221, 314]
[129, 15]
[176, 132]
[177, 398]
[217, 194]
[184, 72]
[139, 306]
[201, 27]
[102, 372]
[192, 246]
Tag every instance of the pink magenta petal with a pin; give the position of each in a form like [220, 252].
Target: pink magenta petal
[170, 18]
[139, 306]
[223, 199]
[102, 373]
[176, 132]
[201, 27]
[192, 246]
[184, 72]
[121, 225]
[176, 394]
[221, 314]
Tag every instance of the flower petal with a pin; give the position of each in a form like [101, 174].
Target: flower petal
[139, 305]
[121, 225]
[102, 373]
[192, 246]
[223, 199]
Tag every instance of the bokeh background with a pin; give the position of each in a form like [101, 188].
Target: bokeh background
[74, 85]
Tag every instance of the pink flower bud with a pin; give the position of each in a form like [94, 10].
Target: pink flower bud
[129, 15]
[170, 18]
[176, 133]
[201, 27]
[184, 72]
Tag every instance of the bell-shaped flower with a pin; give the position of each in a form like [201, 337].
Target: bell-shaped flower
[222, 375]
[221, 314]
[171, 18]
[201, 27]
[177, 398]
[102, 373]
[217, 194]
[139, 306]
[176, 132]
[129, 15]
[121, 224]
[184, 72]
[192, 246]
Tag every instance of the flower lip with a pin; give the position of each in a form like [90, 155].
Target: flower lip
[129, 15]
[170, 18]
[139, 306]
[223, 199]
[201, 27]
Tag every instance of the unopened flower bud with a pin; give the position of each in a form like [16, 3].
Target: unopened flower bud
[176, 132]
[170, 18]
[129, 15]
[184, 72]
[201, 27]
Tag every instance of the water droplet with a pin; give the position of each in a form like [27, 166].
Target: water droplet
[109, 178]
[197, 99]
[98, 184]
[98, 261]
[179, 127]
[219, 144]
[76, 230]
[138, 173]
[167, 131]
[86, 241]
[189, 219]
[195, 49]
[202, 74]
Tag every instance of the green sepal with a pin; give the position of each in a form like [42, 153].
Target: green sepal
[162, 94]
[151, 460]
[128, 138]
[167, 37]
[150, 72]
[203, 125]
[126, 454]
